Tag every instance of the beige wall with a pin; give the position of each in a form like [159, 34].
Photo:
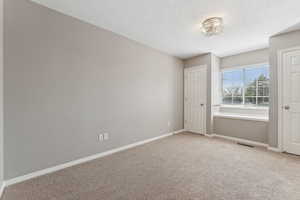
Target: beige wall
[244, 129]
[204, 59]
[67, 81]
[247, 58]
[278, 42]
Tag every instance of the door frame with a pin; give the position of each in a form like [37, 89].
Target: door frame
[280, 65]
[186, 69]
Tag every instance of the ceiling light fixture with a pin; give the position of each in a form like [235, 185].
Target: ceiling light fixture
[212, 26]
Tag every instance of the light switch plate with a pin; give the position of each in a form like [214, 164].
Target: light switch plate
[106, 136]
[100, 137]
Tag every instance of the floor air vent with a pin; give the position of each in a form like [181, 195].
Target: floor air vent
[246, 145]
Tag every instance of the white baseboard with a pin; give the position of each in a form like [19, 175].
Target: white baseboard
[82, 160]
[244, 141]
[253, 143]
[2, 189]
[210, 135]
[179, 131]
[274, 149]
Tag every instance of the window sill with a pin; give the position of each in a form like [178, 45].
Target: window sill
[244, 107]
[242, 117]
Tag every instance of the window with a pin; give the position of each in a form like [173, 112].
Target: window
[246, 86]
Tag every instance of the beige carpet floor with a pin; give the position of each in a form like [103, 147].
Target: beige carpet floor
[180, 167]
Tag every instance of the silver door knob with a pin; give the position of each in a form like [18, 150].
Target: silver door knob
[201, 104]
[287, 107]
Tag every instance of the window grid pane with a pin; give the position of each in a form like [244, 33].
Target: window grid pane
[248, 86]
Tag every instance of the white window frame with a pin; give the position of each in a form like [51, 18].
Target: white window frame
[258, 65]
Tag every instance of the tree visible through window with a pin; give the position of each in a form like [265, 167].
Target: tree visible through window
[246, 86]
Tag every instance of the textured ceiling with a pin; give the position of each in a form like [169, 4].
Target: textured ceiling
[173, 26]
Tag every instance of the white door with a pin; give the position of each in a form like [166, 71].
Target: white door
[195, 99]
[291, 101]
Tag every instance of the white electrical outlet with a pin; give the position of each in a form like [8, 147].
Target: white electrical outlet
[100, 137]
[106, 136]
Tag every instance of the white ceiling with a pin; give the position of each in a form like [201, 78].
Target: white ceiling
[173, 26]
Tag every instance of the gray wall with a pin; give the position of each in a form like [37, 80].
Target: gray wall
[205, 59]
[1, 92]
[66, 81]
[278, 42]
[248, 58]
[244, 129]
